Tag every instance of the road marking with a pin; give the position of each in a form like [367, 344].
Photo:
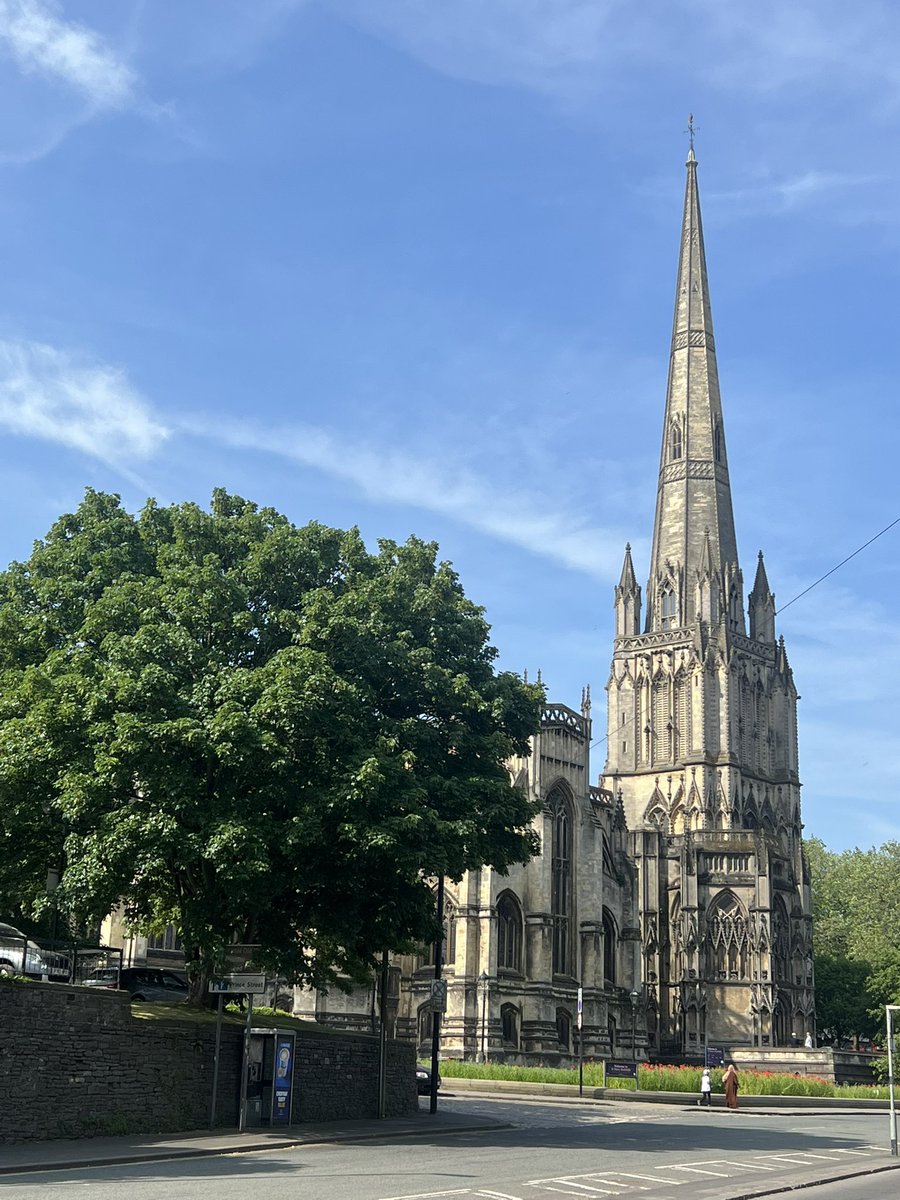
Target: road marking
[573, 1180]
[727, 1162]
[809, 1154]
[432, 1195]
[500, 1195]
[652, 1178]
[699, 1171]
[589, 1187]
[864, 1153]
[798, 1162]
[548, 1187]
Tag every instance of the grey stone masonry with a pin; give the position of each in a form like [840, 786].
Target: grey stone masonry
[75, 1062]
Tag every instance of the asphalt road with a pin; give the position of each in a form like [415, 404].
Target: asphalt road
[631, 1150]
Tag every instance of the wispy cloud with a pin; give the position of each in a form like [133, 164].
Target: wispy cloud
[793, 192]
[49, 394]
[531, 42]
[42, 42]
[517, 516]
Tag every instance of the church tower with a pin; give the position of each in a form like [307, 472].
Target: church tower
[702, 734]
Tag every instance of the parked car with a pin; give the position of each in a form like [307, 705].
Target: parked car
[36, 963]
[142, 983]
[423, 1080]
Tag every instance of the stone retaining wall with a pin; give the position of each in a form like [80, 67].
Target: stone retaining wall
[74, 1062]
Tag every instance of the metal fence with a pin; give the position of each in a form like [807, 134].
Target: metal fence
[55, 960]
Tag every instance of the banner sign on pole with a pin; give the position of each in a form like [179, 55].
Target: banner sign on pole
[580, 1006]
[246, 985]
[715, 1056]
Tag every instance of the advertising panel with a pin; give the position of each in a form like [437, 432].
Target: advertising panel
[283, 1082]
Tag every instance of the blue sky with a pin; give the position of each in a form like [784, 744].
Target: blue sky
[410, 265]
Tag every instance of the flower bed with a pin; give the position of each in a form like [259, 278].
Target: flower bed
[653, 1078]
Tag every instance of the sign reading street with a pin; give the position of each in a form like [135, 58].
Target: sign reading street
[246, 985]
[715, 1056]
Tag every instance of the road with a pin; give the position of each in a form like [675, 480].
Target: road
[638, 1151]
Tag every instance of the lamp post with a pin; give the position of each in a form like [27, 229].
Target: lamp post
[634, 1003]
[483, 979]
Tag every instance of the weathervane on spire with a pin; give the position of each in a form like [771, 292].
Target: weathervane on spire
[690, 129]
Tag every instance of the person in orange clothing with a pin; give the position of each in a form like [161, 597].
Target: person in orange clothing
[730, 1083]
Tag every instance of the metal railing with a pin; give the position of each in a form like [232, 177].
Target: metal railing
[56, 960]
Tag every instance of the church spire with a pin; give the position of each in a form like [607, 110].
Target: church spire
[761, 604]
[628, 600]
[694, 494]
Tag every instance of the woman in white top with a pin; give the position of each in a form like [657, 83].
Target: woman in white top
[705, 1089]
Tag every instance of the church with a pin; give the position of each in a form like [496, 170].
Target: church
[670, 902]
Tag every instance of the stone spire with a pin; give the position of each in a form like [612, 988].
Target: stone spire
[628, 600]
[761, 605]
[694, 494]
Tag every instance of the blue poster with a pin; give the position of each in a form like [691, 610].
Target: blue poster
[284, 1076]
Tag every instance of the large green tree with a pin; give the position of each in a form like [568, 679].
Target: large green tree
[265, 733]
[856, 932]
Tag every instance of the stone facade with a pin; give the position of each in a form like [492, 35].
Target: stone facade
[680, 881]
[702, 735]
[518, 946]
[74, 1062]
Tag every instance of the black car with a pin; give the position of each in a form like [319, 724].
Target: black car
[423, 1080]
[142, 983]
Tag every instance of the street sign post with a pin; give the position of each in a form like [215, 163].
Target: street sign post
[715, 1056]
[234, 985]
[889, 1010]
[238, 985]
[439, 995]
[579, 1023]
[620, 1070]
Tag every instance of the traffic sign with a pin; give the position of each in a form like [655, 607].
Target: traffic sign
[246, 985]
[438, 995]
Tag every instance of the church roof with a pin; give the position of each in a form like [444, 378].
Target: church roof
[694, 526]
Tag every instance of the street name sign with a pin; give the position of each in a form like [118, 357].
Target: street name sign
[246, 985]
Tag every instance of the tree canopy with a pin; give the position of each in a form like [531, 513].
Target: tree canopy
[262, 732]
[856, 935]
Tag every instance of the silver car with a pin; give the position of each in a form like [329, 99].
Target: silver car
[21, 956]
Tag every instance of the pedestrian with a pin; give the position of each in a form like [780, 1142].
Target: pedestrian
[730, 1083]
[808, 1041]
[705, 1089]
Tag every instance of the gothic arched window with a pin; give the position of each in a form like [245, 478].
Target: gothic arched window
[509, 1024]
[561, 880]
[609, 947]
[563, 1028]
[448, 948]
[781, 941]
[668, 606]
[717, 442]
[727, 938]
[509, 933]
[676, 442]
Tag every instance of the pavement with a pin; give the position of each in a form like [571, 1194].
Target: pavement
[72, 1155]
[68, 1154]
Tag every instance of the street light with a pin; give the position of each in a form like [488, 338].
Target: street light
[483, 979]
[634, 1003]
